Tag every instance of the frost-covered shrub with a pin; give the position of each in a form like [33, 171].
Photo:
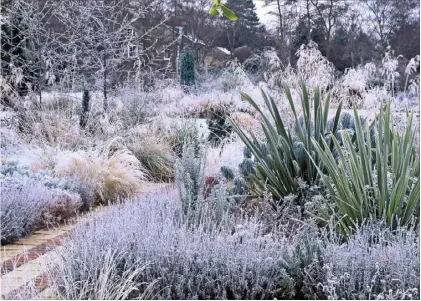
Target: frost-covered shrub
[62, 206]
[229, 154]
[234, 76]
[108, 275]
[303, 262]
[374, 264]
[253, 63]
[137, 105]
[232, 261]
[187, 132]
[189, 176]
[12, 167]
[352, 87]
[313, 67]
[389, 70]
[22, 204]
[27, 204]
[46, 177]
[219, 127]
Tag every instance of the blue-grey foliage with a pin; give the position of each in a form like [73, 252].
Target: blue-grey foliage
[22, 204]
[228, 261]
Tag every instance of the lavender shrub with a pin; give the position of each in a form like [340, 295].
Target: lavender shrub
[375, 263]
[22, 204]
[27, 204]
[228, 261]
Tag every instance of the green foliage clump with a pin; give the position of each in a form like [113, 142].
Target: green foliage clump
[240, 189]
[247, 167]
[281, 160]
[372, 183]
[247, 153]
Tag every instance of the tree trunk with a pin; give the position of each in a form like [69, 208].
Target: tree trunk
[104, 87]
[281, 26]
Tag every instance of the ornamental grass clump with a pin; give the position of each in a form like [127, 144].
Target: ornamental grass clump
[155, 155]
[112, 172]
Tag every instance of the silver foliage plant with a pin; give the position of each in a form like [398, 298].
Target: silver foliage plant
[71, 185]
[161, 257]
[375, 263]
[22, 203]
[27, 204]
[189, 175]
[228, 261]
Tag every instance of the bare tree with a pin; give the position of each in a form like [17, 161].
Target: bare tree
[380, 16]
[27, 48]
[387, 16]
[108, 38]
[329, 13]
[199, 25]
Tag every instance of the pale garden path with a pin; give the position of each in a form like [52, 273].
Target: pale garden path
[23, 263]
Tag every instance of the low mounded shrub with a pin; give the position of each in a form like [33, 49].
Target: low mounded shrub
[27, 205]
[46, 177]
[376, 263]
[229, 261]
[62, 206]
[22, 203]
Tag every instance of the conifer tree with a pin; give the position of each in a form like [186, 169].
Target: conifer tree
[246, 30]
[187, 76]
